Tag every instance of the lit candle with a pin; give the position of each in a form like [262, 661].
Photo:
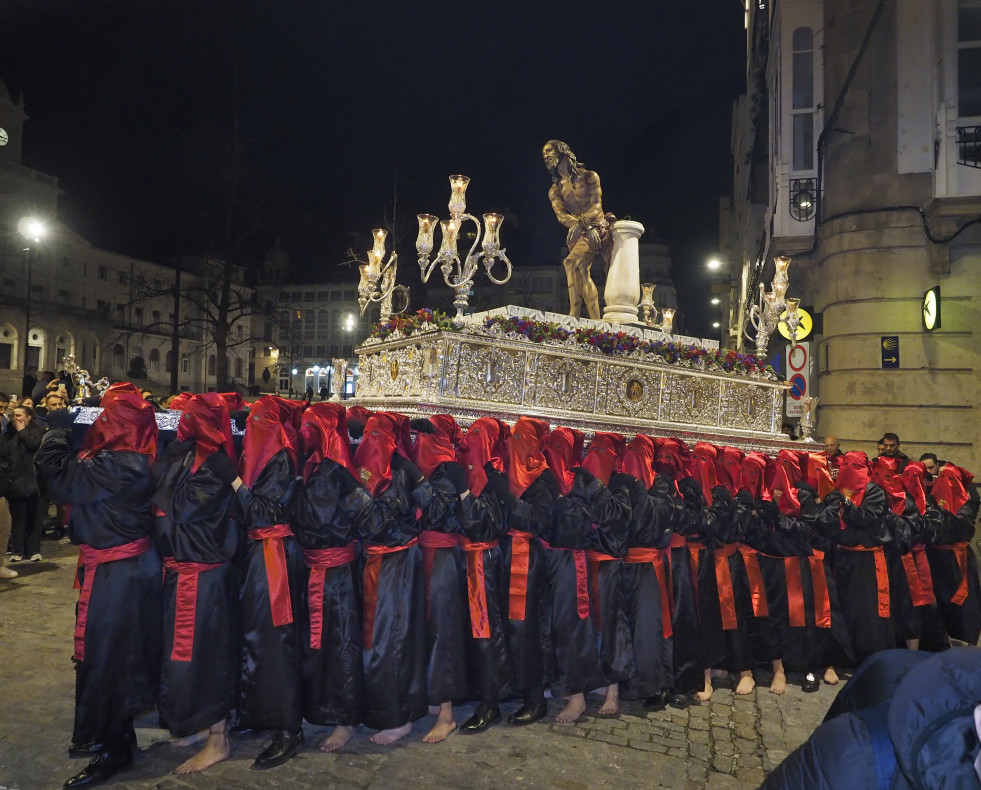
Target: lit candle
[450, 228]
[380, 235]
[668, 323]
[427, 226]
[458, 195]
[374, 263]
[492, 229]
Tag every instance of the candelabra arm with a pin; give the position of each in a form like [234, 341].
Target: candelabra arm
[467, 267]
[489, 259]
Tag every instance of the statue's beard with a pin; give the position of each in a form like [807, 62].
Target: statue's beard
[553, 171]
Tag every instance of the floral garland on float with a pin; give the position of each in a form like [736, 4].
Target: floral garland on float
[609, 343]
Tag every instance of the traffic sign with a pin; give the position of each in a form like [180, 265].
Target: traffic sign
[889, 347]
[798, 371]
[798, 386]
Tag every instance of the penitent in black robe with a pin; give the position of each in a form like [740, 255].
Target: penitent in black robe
[109, 496]
[271, 656]
[445, 573]
[569, 534]
[482, 522]
[394, 647]
[954, 568]
[528, 606]
[333, 677]
[193, 524]
[651, 514]
[689, 674]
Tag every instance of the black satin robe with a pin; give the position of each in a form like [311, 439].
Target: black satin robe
[271, 657]
[333, 675]
[447, 611]
[689, 675]
[482, 520]
[855, 571]
[529, 639]
[962, 621]
[577, 657]
[651, 516]
[110, 499]
[193, 523]
[395, 664]
[905, 530]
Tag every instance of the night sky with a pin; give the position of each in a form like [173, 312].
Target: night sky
[341, 106]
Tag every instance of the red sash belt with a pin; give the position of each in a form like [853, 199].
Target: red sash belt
[920, 587]
[371, 570]
[274, 554]
[476, 588]
[960, 552]
[819, 583]
[881, 575]
[655, 557]
[318, 561]
[723, 578]
[582, 579]
[756, 588]
[187, 604]
[593, 560]
[518, 585]
[90, 558]
[430, 540]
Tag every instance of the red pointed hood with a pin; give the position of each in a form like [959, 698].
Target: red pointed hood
[728, 465]
[752, 473]
[913, 475]
[885, 474]
[324, 431]
[127, 423]
[702, 468]
[385, 433]
[672, 458]
[440, 447]
[818, 474]
[563, 451]
[526, 461]
[638, 459]
[951, 489]
[786, 475]
[269, 429]
[117, 389]
[233, 401]
[205, 421]
[485, 442]
[604, 455]
[358, 414]
[853, 475]
[180, 401]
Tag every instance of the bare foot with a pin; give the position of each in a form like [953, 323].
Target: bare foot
[830, 676]
[913, 644]
[611, 705]
[445, 724]
[385, 737]
[575, 707]
[706, 693]
[337, 739]
[190, 740]
[746, 683]
[216, 749]
[778, 685]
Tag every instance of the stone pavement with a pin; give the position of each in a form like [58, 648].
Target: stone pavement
[727, 743]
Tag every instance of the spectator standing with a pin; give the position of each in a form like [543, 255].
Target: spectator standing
[890, 449]
[29, 382]
[40, 388]
[832, 451]
[18, 444]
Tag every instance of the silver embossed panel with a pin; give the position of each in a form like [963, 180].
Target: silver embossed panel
[629, 391]
[746, 406]
[563, 383]
[690, 400]
[489, 373]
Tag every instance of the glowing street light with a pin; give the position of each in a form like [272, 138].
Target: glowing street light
[714, 264]
[715, 300]
[715, 324]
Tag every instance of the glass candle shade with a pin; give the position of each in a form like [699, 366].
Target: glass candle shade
[492, 230]
[458, 195]
[667, 324]
[427, 226]
[450, 228]
[379, 236]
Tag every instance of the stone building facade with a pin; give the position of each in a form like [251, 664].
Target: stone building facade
[857, 153]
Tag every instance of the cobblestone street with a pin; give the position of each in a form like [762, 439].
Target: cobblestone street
[727, 743]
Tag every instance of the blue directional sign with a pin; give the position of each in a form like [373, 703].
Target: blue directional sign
[889, 346]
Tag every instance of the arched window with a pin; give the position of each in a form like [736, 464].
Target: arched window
[212, 365]
[169, 362]
[153, 360]
[118, 357]
[64, 345]
[185, 364]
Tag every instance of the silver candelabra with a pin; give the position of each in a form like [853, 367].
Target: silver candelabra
[459, 273]
[773, 308]
[377, 283]
[648, 310]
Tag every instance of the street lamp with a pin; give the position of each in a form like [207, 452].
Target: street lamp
[715, 300]
[714, 263]
[32, 229]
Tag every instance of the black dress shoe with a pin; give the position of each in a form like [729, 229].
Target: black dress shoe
[810, 683]
[482, 718]
[657, 702]
[679, 700]
[102, 766]
[284, 745]
[529, 713]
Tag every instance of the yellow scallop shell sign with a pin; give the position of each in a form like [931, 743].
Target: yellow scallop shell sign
[803, 330]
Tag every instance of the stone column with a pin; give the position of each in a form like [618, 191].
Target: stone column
[622, 292]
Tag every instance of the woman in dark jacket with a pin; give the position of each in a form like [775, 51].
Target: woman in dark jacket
[18, 444]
